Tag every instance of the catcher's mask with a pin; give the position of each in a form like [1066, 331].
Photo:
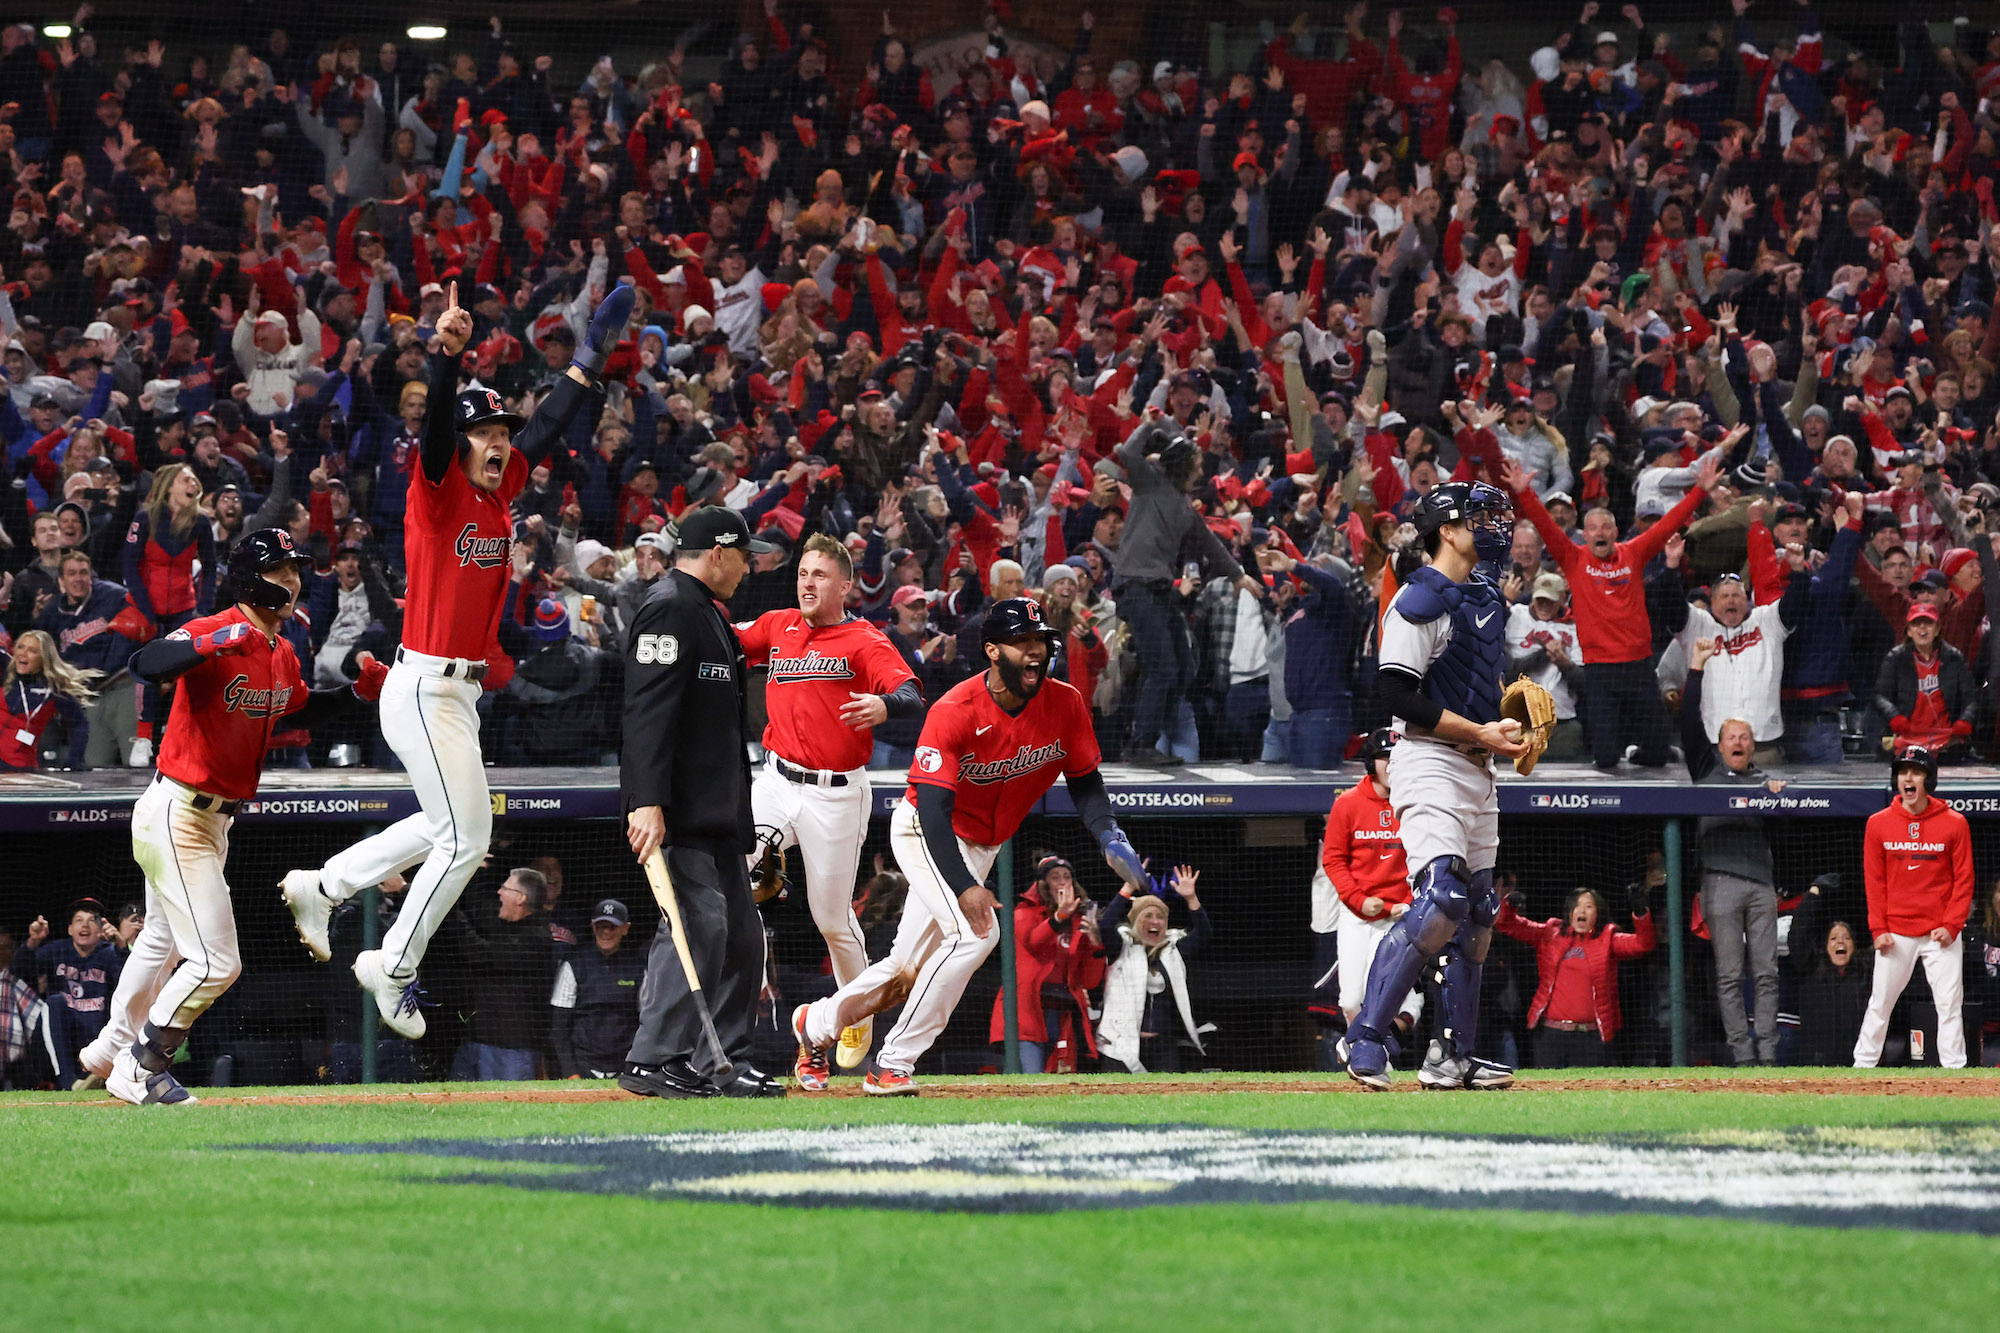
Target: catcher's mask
[769, 881]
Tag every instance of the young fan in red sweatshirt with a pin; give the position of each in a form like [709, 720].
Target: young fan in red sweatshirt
[1918, 859]
[1607, 584]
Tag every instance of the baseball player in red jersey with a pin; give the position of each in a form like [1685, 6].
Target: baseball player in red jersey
[1363, 855]
[457, 533]
[834, 678]
[1917, 855]
[990, 748]
[238, 677]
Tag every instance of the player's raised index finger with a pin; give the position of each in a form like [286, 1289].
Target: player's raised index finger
[451, 295]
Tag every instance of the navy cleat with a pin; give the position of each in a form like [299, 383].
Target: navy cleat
[1367, 1062]
[607, 326]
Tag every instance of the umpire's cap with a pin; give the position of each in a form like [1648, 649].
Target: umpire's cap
[712, 526]
[1013, 618]
[243, 578]
[481, 407]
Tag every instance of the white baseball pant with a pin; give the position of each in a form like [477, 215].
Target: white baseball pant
[147, 967]
[182, 851]
[1892, 973]
[1357, 939]
[432, 723]
[828, 826]
[1445, 803]
[933, 938]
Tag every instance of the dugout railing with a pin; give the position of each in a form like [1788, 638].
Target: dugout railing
[1254, 833]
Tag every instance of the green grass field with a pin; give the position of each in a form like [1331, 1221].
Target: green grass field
[113, 1217]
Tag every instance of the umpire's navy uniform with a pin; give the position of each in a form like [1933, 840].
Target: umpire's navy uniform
[686, 720]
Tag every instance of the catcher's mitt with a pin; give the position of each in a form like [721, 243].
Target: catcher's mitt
[1535, 709]
[770, 880]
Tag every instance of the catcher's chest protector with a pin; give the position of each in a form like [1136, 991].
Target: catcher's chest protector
[1465, 677]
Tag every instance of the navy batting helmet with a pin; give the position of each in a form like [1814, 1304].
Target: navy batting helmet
[1483, 508]
[1918, 757]
[480, 407]
[243, 578]
[1016, 618]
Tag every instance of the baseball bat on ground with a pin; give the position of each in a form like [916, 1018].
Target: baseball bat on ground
[663, 893]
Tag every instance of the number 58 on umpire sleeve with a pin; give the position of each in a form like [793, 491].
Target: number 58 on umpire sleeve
[656, 683]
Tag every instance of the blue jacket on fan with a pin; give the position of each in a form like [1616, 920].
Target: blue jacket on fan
[1319, 642]
[1816, 654]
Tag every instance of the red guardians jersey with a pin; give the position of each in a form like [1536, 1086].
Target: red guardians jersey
[814, 670]
[226, 709]
[457, 541]
[998, 766]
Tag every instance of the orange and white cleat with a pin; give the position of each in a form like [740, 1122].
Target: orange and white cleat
[889, 1083]
[810, 1068]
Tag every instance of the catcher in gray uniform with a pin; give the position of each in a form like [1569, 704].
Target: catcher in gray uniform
[1443, 649]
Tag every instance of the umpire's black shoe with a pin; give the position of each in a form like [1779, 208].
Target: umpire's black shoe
[752, 1083]
[665, 1081]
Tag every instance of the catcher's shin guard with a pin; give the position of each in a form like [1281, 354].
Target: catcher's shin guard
[1437, 906]
[1465, 962]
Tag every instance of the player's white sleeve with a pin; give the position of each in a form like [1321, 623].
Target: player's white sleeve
[565, 992]
[1412, 647]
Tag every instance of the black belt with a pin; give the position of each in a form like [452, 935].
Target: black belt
[808, 777]
[205, 801]
[473, 670]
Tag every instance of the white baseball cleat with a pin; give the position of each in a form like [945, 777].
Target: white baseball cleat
[312, 911]
[395, 1000]
[854, 1043]
[96, 1061]
[131, 1082]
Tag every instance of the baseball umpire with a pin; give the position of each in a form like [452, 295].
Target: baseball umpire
[686, 781]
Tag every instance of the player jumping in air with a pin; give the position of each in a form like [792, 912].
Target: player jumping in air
[1443, 649]
[238, 679]
[834, 678]
[458, 530]
[990, 748]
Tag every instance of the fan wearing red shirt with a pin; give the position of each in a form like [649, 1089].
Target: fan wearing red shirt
[990, 749]
[1575, 1012]
[238, 676]
[1362, 855]
[834, 678]
[457, 530]
[1607, 583]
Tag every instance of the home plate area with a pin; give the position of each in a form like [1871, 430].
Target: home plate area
[1930, 1177]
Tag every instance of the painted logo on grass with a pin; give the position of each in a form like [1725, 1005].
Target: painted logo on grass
[1934, 1178]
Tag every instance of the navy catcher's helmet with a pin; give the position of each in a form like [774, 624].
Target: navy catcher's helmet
[1485, 509]
[243, 578]
[1016, 618]
[479, 407]
[1918, 757]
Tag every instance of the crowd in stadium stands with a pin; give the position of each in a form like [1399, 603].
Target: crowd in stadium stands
[1715, 306]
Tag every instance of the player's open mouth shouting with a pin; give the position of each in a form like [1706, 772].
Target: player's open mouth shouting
[1023, 664]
